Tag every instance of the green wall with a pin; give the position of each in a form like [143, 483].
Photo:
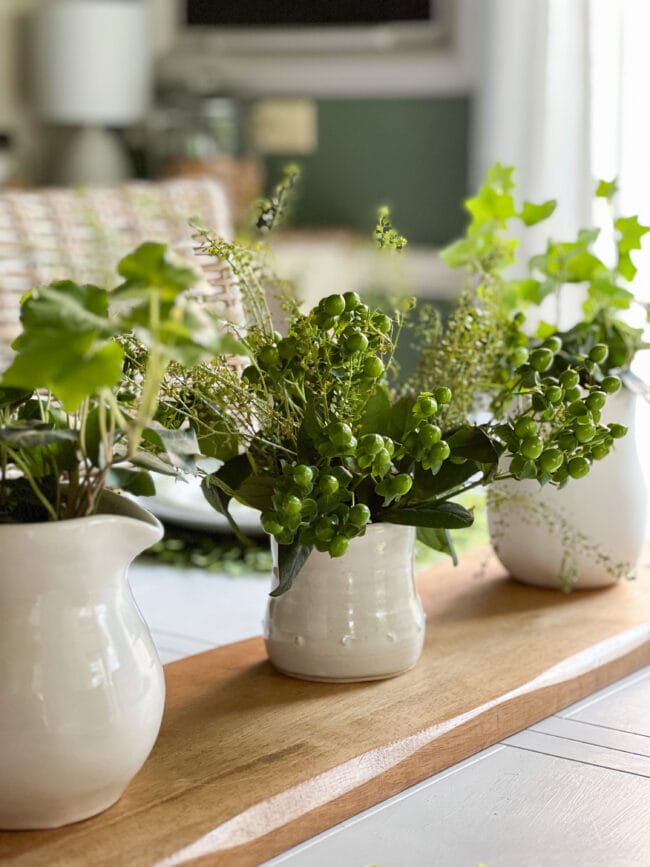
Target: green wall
[408, 153]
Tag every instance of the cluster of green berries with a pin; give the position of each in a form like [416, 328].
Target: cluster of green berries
[317, 507]
[341, 331]
[560, 435]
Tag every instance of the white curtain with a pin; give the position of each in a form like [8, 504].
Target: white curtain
[562, 94]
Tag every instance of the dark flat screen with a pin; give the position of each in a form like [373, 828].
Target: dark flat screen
[306, 13]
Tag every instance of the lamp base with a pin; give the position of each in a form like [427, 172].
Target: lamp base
[92, 155]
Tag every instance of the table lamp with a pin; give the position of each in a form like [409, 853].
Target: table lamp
[91, 65]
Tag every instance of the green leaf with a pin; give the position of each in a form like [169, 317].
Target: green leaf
[545, 329]
[136, 482]
[72, 369]
[460, 253]
[220, 487]
[257, 492]
[631, 232]
[35, 434]
[532, 214]
[67, 307]
[475, 444]
[401, 419]
[291, 559]
[376, 417]
[451, 516]
[148, 269]
[11, 398]
[180, 445]
[439, 539]
[607, 189]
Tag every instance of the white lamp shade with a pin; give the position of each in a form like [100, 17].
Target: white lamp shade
[91, 61]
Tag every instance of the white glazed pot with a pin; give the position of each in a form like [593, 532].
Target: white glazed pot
[590, 533]
[350, 618]
[81, 685]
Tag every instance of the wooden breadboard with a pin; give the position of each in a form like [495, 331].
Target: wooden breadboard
[250, 762]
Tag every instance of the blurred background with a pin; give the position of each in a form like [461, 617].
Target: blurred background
[403, 103]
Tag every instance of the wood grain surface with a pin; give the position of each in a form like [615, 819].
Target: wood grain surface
[250, 762]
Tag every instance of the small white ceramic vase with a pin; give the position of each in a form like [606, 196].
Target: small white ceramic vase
[350, 618]
[81, 685]
[587, 535]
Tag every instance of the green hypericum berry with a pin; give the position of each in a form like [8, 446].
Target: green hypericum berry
[530, 377]
[325, 528]
[539, 402]
[551, 460]
[599, 451]
[373, 367]
[426, 405]
[567, 441]
[553, 393]
[268, 356]
[339, 433]
[338, 546]
[596, 400]
[382, 322]
[553, 343]
[401, 484]
[285, 537]
[371, 443]
[578, 467]
[303, 475]
[531, 447]
[355, 341]
[572, 394]
[569, 378]
[381, 463]
[541, 359]
[251, 374]
[325, 322]
[352, 300]
[439, 451]
[610, 384]
[429, 434]
[271, 524]
[599, 353]
[561, 475]
[617, 430]
[577, 408]
[291, 505]
[525, 427]
[359, 515]
[442, 394]
[328, 484]
[522, 468]
[333, 305]
[519, 356]
[585, 433]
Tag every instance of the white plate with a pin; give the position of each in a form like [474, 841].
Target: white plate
[182, 502]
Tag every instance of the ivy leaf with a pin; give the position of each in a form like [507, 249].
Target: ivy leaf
[532, 214]
[439, 539]
[148, 268]
[291, 559]
[65, 345]
[71, 369]
[451, 516]
[631, 232]
[500, 176]
[491, 205]
[607, 189]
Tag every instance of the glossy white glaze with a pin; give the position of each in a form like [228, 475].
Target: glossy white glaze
[589, 534]
[350, 618]
[81, 685]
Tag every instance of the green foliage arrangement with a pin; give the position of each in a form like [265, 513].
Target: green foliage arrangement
[318, 436]
[564, 269]
[73, 419]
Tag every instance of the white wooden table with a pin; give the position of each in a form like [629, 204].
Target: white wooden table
[572, 790]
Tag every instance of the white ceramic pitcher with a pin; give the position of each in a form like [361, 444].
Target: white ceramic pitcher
[81, 685]
[350, 618]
